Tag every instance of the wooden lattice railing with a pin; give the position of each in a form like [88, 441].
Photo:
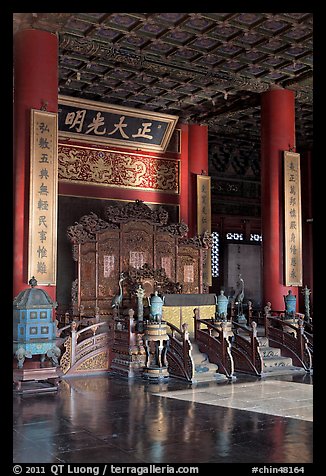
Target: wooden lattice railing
[215, 343]
[179, 358]
[245, 351]
[294, 344]
[82, 344]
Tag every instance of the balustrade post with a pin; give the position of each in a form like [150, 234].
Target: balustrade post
[185, 337]
[266, 324]
[197, 324]
[301, 339]
[73, 328]
[253, 342]
[249, 312]
[224, 336]
[267, 314]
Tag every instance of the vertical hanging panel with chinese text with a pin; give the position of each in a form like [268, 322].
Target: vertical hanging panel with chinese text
[204, 219]
[292, 219]
[42, 243]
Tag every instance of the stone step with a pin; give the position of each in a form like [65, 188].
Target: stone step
[261, 338]
[197, 356]
[260, 331]
[208, 377]
[266, 351]
[206, 367]
[263, 341]
[277, 361]
[278, 371]
[204, 370]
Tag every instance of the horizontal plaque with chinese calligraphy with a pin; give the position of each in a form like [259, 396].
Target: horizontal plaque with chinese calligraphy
[42, 253]
[292, 219]
[93, 121]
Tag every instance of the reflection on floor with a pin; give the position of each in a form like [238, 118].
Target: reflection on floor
[102, 419]
[267, 396]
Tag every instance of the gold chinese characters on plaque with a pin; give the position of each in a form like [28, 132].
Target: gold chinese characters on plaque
[42, 252]
[292, 219]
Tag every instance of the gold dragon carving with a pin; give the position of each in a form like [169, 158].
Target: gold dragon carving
[103, 167]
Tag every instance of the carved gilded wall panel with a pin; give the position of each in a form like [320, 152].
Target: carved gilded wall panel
[117, 169]
[96, 362]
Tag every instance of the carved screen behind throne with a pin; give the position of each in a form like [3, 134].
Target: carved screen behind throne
[139, 242]
[108, 265]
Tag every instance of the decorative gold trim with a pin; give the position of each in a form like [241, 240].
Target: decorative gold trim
[42, 240]
[292, 219]
[105, 148]
[65, 361]
[170, 120]
[98, 361]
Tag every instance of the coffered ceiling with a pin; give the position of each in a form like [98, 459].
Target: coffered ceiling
[204, 67]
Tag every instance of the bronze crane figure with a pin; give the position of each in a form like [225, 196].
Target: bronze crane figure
[240, 296]
[117, 299]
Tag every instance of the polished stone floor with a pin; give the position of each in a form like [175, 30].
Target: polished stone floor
[102, 419]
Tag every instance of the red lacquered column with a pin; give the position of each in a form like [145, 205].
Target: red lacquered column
[35, 83]
[184, 176]
[197, 163]
[277, 135]
[307, 216]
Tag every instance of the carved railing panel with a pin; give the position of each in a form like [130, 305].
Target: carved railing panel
[90, 345]
[91, 353]
[310, 339]
[216, 346]
[247, 358]
[178, 355]
[294, 344]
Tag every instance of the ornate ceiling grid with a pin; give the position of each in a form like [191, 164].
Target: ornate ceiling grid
[203, 67]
